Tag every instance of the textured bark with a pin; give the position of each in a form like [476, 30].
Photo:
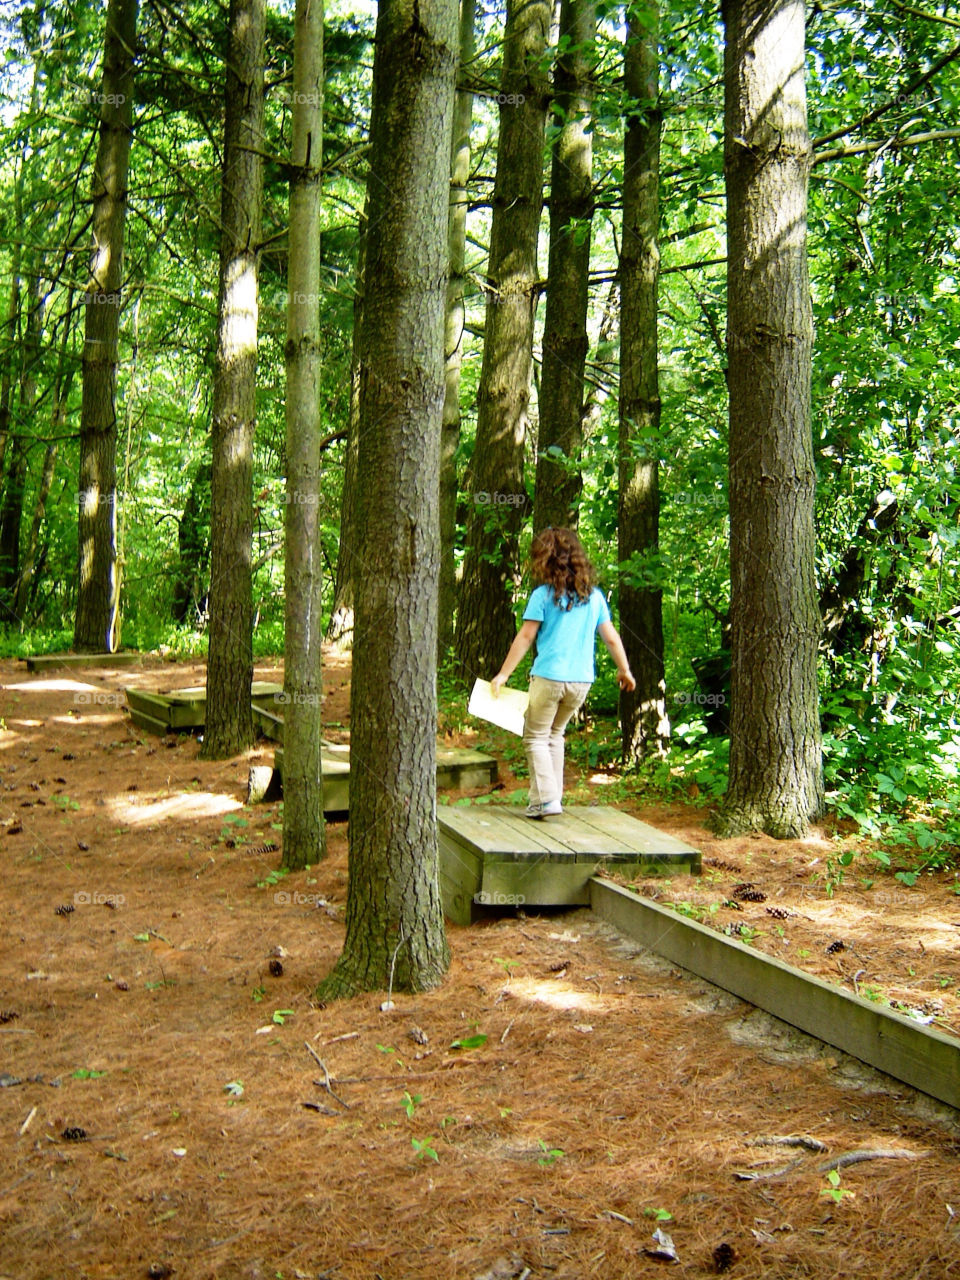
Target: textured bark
[560, 436]
[303, 827]
[193, 539]
[394, 918]
[97, 593]
[644, 724]
[453, 335]
[58, 421]
[775, 753]
[229, 723]
[340, 628]
[485, 621]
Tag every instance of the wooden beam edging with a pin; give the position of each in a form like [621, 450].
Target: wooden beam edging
[920, 1056]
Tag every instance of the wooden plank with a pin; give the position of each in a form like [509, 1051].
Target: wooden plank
[148, 722]
[336, 781]
[639, 836]
[920, 1056]
[496, 830]
[461, 767]
[55, 661]
[149, 704]
[270, 725]
[459, 874]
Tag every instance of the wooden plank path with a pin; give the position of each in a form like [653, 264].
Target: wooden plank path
[61, 661]
[494, 856]
[180, 710]
[456, 767]
[920, 1056]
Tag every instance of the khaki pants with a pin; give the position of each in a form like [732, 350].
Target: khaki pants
[551, 706]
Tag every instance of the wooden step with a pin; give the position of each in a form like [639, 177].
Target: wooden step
[493, 856]
[57, 661]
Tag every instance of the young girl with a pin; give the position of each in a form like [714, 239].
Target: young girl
[563, 615]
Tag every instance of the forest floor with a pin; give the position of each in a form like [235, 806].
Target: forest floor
[161, 1115]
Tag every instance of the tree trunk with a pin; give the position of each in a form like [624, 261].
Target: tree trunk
[229, 724]
[394, 916]
[453, 334]
[303, 828]
[340, 628]
[565, 343]
[58, 421]
[775, 757]
[485, 622]
[97, 594]
[193, 539]
[643, 718]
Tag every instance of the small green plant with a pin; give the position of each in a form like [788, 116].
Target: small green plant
[257, 994]
[423, 1148]
[273, 877]
[470, 1042]
[506, 965]
[550, 1154]
[658, 1215]
[234, 1088]
[280, 1016]
[835, 1191]
[410, 1103]
[85, 1073]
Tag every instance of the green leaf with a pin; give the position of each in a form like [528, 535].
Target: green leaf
[470, 1042]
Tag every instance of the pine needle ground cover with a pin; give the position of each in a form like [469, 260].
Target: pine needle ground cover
[172, 1097]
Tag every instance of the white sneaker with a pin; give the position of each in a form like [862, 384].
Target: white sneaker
[551, 809]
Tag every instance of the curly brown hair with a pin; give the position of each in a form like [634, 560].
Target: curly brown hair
[559, 561]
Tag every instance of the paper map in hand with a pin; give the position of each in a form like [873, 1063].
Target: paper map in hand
[506, 711]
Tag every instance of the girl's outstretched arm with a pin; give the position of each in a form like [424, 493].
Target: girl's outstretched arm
[611, 638]
[521, 643]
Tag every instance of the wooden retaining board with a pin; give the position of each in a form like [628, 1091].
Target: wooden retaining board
[494, 856]
[175, 710]
[456, 767]
[55, 661]
[920, 1056]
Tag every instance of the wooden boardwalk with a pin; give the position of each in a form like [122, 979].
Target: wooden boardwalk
[181, 710]
[61, 661]
[493, 856]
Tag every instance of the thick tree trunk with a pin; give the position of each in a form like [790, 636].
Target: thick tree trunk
[485, 621]
[453, 335]
[394, 914]
[229, 723]
[775, 755]
[193, 540]
[303, 828]
[97, 592]
[560, 435]
[644, 724]
[340, 628]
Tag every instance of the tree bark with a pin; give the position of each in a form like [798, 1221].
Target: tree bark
[304, 839]
[229, 721]
[775, 752]
[645, 727]
[453, 335]
[340, 628]
[394, 917]
[193, 541]
[97, 592]
[58, 421]
[485, 621]
[560, 436]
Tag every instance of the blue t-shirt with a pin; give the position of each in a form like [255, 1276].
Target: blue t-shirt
[566, 639]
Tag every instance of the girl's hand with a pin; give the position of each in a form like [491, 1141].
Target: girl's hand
[625, 679]
[496, 684]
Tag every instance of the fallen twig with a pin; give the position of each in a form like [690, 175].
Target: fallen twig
[788, 1140]
[325, 1083]
[878, 1153]
[26, 1124]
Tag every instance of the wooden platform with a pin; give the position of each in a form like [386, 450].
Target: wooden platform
[58, 661]
[456, 767]
[494, 856]
[179, 710]
[924, 1057]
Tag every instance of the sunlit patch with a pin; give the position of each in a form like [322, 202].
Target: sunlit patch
[558, 995]
[603, 779]
[53, 686]
[185, 805]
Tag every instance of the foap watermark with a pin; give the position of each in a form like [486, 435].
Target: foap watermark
[98, 698]
[496, 899]
[283, 898]
[97, 899]
[698, 699]
[94, 97]
[484, 499]
[505, 99]
[700, 498]
[297, 699]
[300, 497]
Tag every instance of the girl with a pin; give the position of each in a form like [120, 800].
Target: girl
[563, 615]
